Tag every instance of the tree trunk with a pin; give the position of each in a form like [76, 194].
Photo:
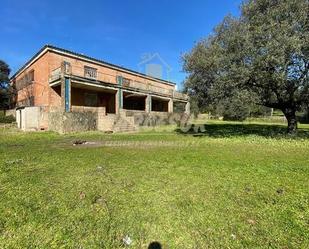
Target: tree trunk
[290, 114]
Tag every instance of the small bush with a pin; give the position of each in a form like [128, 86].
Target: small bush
[234, 109]
[7, 119]
[235, 113]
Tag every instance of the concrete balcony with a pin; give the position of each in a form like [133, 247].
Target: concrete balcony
[103, 79]
[55, 75]
[180, 95]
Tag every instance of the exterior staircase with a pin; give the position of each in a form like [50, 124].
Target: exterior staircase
[124, 124]
[116, 123]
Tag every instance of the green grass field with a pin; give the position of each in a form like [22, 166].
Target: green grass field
[236, 185]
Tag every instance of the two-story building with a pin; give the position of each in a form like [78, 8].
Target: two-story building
[56, 79]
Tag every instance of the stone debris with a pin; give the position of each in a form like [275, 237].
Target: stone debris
[82, 195]
[79, 142]
[98, 199]
[83, 142]
[127, 241]
[251, 221]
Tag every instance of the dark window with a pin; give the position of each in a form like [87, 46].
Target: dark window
[126, 82]
[31, 75]
[91, 99]
[90, 72]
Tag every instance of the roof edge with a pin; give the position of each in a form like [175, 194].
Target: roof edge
[52, 47]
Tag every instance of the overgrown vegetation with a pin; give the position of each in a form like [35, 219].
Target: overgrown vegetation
[6, 119]
[238, 108]
[235, 185]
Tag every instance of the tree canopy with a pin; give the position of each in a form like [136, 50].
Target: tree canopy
[263, 55]
[4, 85]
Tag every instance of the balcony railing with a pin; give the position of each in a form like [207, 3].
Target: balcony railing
[127, 83]
[179, 95]
[164, 91]
[136, 84]
[55, 74]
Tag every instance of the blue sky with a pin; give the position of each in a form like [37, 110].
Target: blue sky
[119, 32]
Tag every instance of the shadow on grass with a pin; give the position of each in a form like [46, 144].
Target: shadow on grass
[155, 245]
[233, 130]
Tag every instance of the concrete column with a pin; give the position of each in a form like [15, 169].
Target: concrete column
[170, 105]
[148, 103]
[66, 68]
[119, 99]
[62, 94]
[117, 102]
[66, 94]
[187, 108]
[65, 86]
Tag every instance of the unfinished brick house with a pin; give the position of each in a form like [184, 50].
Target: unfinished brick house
[71, 91]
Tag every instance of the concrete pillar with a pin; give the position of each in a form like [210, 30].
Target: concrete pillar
[66, 94]
[65, 86]
[119, 101]
[170, 106]
[187, 108]
[62, 94]
[66, 68]
[148, 103]
[119, 96]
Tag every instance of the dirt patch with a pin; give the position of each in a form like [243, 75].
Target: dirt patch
[83, 143]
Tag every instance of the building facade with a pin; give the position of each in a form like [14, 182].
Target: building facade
[58, 79]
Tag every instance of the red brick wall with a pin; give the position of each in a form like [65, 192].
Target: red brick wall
[44, 95]
[103, 73]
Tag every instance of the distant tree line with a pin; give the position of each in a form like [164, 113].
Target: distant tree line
[5, 88]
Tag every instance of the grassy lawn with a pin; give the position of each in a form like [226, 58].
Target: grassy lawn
[236, 185]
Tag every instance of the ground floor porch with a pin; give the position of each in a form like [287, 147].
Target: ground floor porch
[75, 94]
[77, 104]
